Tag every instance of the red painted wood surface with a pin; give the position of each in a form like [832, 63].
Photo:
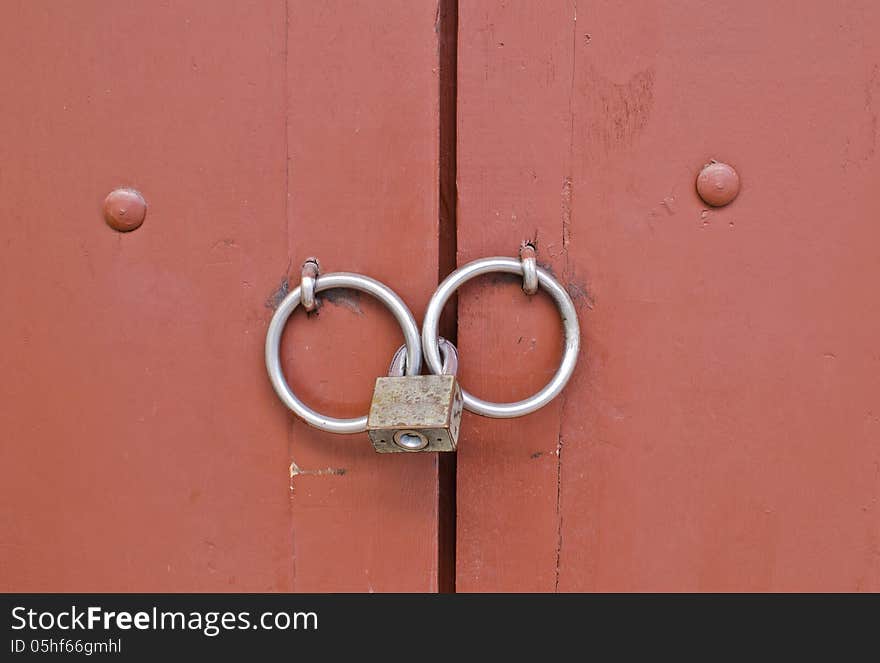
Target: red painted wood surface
[141, 445]
[362, 89]
[722, 431]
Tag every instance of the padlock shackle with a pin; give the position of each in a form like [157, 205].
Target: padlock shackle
[448, 352]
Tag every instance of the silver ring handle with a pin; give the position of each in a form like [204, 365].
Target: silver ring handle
[569, 325]
[327, 282]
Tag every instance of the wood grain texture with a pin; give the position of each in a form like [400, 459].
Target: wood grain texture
[721, 431]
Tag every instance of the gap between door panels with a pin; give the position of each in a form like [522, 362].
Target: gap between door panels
[446, 26]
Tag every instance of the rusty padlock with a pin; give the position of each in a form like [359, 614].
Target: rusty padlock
[419, 412]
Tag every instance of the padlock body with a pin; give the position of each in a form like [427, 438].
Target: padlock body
[418, 413]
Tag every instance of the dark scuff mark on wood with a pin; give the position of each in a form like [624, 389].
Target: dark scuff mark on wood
[547, 267]
[278, 295]
[503, 278]
[345, 297]
[580, 295]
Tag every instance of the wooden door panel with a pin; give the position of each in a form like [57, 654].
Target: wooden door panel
[142, 445]
[138, 449]
[721, 431]
[363, 87]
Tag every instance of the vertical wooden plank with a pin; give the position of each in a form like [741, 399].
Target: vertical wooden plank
[139, 449]
[363, 196]
[513, 142]
[141, 436]
[721, 431]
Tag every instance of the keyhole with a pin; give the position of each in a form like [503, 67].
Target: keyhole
[410, 440]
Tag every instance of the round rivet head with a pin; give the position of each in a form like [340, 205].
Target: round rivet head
[717, 184]
[124, 209]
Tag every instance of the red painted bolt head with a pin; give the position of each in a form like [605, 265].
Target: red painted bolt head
[717, 184]
[124, 209]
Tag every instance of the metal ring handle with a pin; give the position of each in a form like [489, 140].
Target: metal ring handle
[327, 282]
[569, 325]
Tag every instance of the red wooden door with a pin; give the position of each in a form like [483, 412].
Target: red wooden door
[142, 446]
[721, 431]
